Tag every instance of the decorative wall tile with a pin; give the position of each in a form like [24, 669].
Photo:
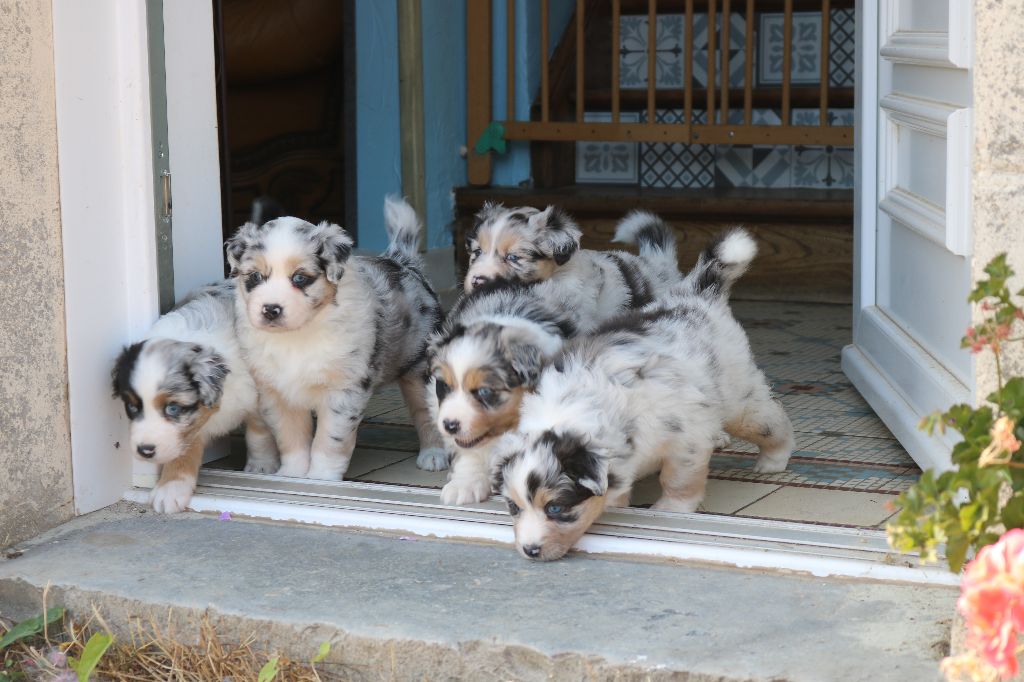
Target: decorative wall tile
[810, 117]
[806, 59]
[823, 167]
[805, 66]
[753, 166]
[607, 162]
[842, 48]
[758, 117]
[670, 51]
[677, 165]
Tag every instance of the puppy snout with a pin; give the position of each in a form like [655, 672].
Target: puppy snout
[452, 426]
[532, 551]
[478, 280]
[146, 450]
[271, 311]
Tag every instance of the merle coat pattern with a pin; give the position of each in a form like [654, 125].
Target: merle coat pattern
[322, 328]
[649, 391]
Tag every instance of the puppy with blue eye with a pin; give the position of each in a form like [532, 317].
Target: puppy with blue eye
[527, 245]
[486, 357]
[650, 391]
[321, 328]
[186, 384]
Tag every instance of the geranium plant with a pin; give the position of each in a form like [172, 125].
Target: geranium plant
[972, 506]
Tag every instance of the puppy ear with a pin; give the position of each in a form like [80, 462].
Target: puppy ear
[528, 350]
[488, 211]
[335, 247]
[241, 241]
[560, 236]
[121, 375]
[208, 370]
[580, 461]
[505, 449]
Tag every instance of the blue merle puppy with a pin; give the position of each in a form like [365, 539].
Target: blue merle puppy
[321, 328]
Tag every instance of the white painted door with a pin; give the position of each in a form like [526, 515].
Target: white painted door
[912, 226]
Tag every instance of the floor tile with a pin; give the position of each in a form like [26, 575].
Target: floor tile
[822, 506]
[365, 460]
[405, 472]
[721, 497]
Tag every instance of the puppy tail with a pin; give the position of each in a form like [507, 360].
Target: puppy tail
[655, 241]
[721, 263]
[403, 228]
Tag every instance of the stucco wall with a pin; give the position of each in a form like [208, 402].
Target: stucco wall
[998, 179]
[35, 444]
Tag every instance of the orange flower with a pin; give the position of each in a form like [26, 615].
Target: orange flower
[1002, 446]
[992, 601]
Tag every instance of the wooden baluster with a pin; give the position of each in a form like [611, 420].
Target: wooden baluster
[510, 102]
[787, 60]
[712, 35]
[545, 94]
[726, 21]
[748, 77]
[826, 38]
[579, 60]
[616, 19]
[478, 87]
[652, 44]
[688, 69]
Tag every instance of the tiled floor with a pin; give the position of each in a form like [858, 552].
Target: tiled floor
[846, 469]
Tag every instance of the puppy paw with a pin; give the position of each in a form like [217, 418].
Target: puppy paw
[465, 491]
[327, 472]
[293, 468]
[433, 459]
[770, 464]
[673, 504]
[172, 497]
[721, 440]
[261, 466]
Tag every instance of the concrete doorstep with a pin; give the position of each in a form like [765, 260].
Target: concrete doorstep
[397, 608]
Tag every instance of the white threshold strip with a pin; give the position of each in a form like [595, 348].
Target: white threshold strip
[812, 549]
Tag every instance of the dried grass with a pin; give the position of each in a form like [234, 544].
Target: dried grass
[154, 651]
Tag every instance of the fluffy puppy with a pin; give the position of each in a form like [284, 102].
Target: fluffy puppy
[186, 384]
[649, 391]
[484, 359]
[321, 328]
[527, 245]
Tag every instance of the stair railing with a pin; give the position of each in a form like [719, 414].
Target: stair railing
[718, 96]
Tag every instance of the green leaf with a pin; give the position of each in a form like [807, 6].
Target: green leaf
[1013, 512]
[32, 626]
[269, 671]
[492, 139]
[325, 648]
[956, 552]
[91, 655]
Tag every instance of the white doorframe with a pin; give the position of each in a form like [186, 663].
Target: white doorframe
[101, 69]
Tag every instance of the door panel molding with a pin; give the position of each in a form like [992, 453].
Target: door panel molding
[902, 381]
[942, 49]
[947, 225]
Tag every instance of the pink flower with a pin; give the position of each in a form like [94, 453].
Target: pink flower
[992, 601]
[1003, 331]
[986, 306]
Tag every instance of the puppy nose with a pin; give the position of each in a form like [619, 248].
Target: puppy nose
[452, 426]
[271, 311]
[478, 280]
[146, 450]
[532, 551]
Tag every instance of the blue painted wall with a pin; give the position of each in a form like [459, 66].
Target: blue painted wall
[513, 168]
[378, 152]
[378, 149]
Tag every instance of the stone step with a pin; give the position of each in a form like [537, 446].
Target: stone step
[400, 608]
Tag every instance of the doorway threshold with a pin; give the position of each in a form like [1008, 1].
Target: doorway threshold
[749, 543]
